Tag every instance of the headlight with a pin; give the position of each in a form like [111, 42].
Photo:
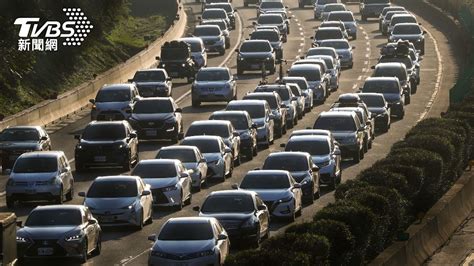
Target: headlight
[306, 180]
[163, 65]
[170, 188]
[183, 65]
[79, 146]
[53, 181]
[77, 237]
[20, 239]
[287, 199]
[120, 146]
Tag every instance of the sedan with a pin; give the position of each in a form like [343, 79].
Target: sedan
[343, 49]
[411, 32]
[279, 111]
[59, 231]
[119, 200]
[153, 82]
[213, 84]
[379, 109]
[315, 78]
[288, 99]
[347, 17]
[304, 86]
[212, 36]
[190, 240]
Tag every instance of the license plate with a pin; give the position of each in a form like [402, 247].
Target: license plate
[255, 66]
[174, 74]
[30, 191]
[45, 251]
[151, 133]
[107, 219]
[100, 159]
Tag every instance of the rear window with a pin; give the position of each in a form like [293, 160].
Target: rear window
[255, 111]
[271, 100]
[312, 147]
[119, 95]
[144, 76]
[330, 8]
[407, 29]
[255, 47]
[343, 123]
[380, 86]
[271, 36]
[310, 75]
[404, 19]
[36, 165]
[214, 14]
[206, 31]
[284, 93]
[328, 34]
[184, 155]
[400, 73]
[323, 2]
[153, 107]
[368, 2]
[270, 19]
[255, 181]
[288, 163]
[336, 44]
[271, 5]
[341, 16]
[156, 170]
[214, 75]
[204, 145]
[239, 122]
[104, 132]
[372, 100]
[209, 130]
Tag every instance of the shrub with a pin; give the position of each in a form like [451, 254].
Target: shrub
[268, 257]
[344, 188]
[378, 177]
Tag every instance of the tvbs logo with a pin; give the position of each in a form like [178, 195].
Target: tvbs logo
[36, 36]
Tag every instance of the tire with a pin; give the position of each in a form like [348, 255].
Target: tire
[366, 146]
[80, 168]
[98, 247]
[222, 52]
[249, 154]
[299, 212]
[291, 125]
[385, 128]
[60, 198]
[189, 200]
[257, 240]
[356, 156]
[332, 186]
[370, 144]
[181, 203]
[255, 150]
[414, 87]
[127, 165]
[408, 100]
[246, 4]
[362, 154]
[273, 70]
[141, 223]
[231, 170]
[196, 103]
[223, 175]
[85, 254]
[317, 195]
[227, 45]
[237, 161]
[70, 194]
[10, 203]
[240, 71]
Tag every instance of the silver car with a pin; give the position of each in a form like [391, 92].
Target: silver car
[348, 19]
[298, 94]
[316, 51]
[315, 79]
[224, 29]
[212, 36]
[328, 8]
[119, 200]
[213, 84]
[332, 70]
[198, 50]
[215, 13]
[41, 175]
[191, 158]
[153, 82]
[288, 99]
[190, 241]
[319, 7]
[114, 102]
[343, 49]
[304, 86]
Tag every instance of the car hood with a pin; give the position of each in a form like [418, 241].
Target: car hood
[228, 216]
[376, 110]
[299, 175]
[111, 105]
[271, 194]
[183, 247]
[160, 182]
[26, 145]
[320, 158]
[155, 117]
[257, 55]
[46, 232]
[109, 203]
[30, 177]
[212, 156]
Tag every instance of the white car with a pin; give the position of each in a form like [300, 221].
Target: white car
[343, 49]
[169, 181]
[198, 50]
[277, 188]
[191, 158]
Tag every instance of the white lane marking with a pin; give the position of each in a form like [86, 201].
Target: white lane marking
[71, 161]
[128, 260]
[368, 43]
[366, 62]
[364, 69]
[302, 39]
[359, 78]
[354, 87]
[430, 103]
[368, 49]
[367, 55]
[299, 24]
[301, 44]
[301, 33]
[366, 37]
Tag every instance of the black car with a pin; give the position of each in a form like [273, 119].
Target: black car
[273, 36]
[106, 143]
[410, 32]
[176, 59]
[256, 55]
[379, 109]
[157, 118]
[242, 122]
[14, 141]
[391, 90]
[399, 71]
[152, 82]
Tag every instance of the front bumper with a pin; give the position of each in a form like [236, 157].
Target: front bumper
[262, 135]
[212, 94]
[55, 249]
[255, 64]
[163, 131]
[117, 217]
[101, 157]
[33, 192]
[348, 149]
[282, 209]
[213, 46]
[177, 260]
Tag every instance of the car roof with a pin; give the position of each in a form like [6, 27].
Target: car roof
[247, 102]
[152, 70]
[39, 128]
[178, 147]
[151, 99]
[256, 41]
[309, 138]
[191, 40]
[213, 9]
[337, 114]
[329, 29]
[268, 14]
[390, 65]
[210, 123]
[160, 161]
[373, 94]
[193, 219]
[382, 79]
[268, 172]
[118, 86]
[214, 69]
[289, 154]
[117, 122]
[311, 131]
[230, 112]
[266, 93]
[207, 26]
[407, 24]
[334, 40]
[203, 137]
[116, 178]
[39, 154]
[341, 12]
[232, 192]
[306, 66]
[59, 207]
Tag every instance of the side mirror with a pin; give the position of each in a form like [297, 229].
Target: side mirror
[133, 135]
[262, 208]
[178, 110]
[92, 221]
[78, 137]
[297, 185]
[254, 23]
[282, 145]
[152, 237]
[424, 32]
[221, 237]
[199, 18]
[19, 223]
[82, 194]
[372, 67]
[92, 101]
[158, 58]
[146, 193]
[294, 98]
[203, 160]
[235, 186]
[196, 208]
[130, 80]
[353, 47]
[184, 175]
[315, 168]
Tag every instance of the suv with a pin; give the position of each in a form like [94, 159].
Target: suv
[212, 36]
[273, 37]
[348, 19]
[343, 49]
[288, 99]
[366, 121]
[401, 18]
[16, 140]
[274, 20]
[279, 111]
[346, 128]
[114, 102]
[391, 90]
[222, 26]
[372, 8]
[106, 143]
[256, 55]
[409, 32]
[156, 118]
[304, 86]
[153, 82]
[198, 50]
[318, 6]
[176, 58]
[213, 84]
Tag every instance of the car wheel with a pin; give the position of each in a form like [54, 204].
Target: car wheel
[198, 188]
[181, 202]
[258, 239]
[290, 125]
[140, 224]
[10, 203]
[222, 52]
[386, 128]
[98, 247]
[249, 154]
[127, 165]
[332, 185]
[362, 154]
[317, 195]
[231, 169]
[227, 44]
[371, 143]
[356, 156]
[84, 252]
[60, 197]
[408, 99]
[237, 161]
[299, 212]
[189, 199]
[366, 146]
[223, 174]
[292, 217]
[70, 194]
[255, 150]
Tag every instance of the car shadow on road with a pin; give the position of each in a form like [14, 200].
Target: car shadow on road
[204, 108]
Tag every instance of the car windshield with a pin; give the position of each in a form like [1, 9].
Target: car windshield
[212, 130]
[288, 163]
[393, 13]
[313, 147]
[400, 73]
[345, 17]
[184, 155]
[284, 93]
[155, 170]
[404, 60]
[204, 145]
[271, 4]
[390, 9]
[332, 123]
[104, 132]
[271, 100]
[301, 83]
[328, 34]
[54, 217]
[270, 36]
[330, 8]
[12, 134]
[228, 204]
[113, 189]
[309, 74]
[274, 181]
[372, 100]
[153, 107]
[214, 14]
[146, 76]
[270, 19]
[213, 75]
[36, 165]
[206, 31]
[255, 47]
[328, 61]
[381, 86]
[221, 24]
[325, 2]
[295, 91]
[182, 231]
[336, 45]
[239, 122]
[369, 2]
[406, 29]
[255, 111]
[404, 19]
[119, 95]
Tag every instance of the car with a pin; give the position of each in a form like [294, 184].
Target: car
[325, 155]
[221, 128]
[40, 175]
[315, 78]
[157, 118]
[16, 140]
[411, 85]
[114, 102]
[304, 86]
[215, 13]
[212, 36]
[302, 169]
[317, 132]
[332, 70]
[176, 58]
[366, 122]
[285, 16]
[190, 240]
[379, 109]
[298, 93]
[153, 82]
[372, 8]
[278, 190]
[351, 100]
[409, 32]
[206, 3]
[401, 18]
[273, 37]
[388, 17]
[168, 180]
[266, 6]
[395, 70]
[343, 49]
[328, 33]
[287, 98]
[345, 126]
[416, 59]
[59, 231]
[337, 24]
[260, 113]
[274, 20]
[319, 6]
[278, 108]
[213, 84]
[385, 11]
[220, 162]
[391, 90]
[228, 8]
[198, 50]
[242, 213]
[119, 201]
[347, 17]
[317, 51]
[328, 8]
[242, 123]
[222, 26]
[191, 158]
[106, 143]
[321, 63]
[256, 55]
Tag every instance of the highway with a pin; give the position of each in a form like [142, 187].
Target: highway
[126, 246]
